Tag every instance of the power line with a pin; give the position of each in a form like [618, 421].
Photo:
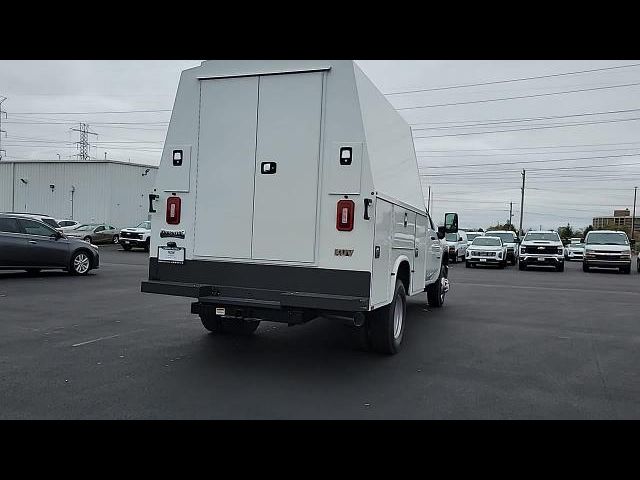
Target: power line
[519, 97]
[526, 153]
[481, 123]
[532, 147]
[545, 160]
[534, 128]
[522, 79]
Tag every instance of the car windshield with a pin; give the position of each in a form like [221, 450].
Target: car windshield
[86, 227]
[452, 237]
[51, 222]
[487, 242]
[146, 225]
[544, 236]
[505, 236]
[607, 239]
[472, 236]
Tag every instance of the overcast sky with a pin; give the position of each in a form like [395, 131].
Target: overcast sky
[567, 191]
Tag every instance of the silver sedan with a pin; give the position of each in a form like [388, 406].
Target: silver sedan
[95, 233]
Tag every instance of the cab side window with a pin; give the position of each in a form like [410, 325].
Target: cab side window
[9, 225]
[36, 228]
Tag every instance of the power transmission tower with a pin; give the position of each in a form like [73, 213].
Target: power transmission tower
[2, 99]
[522, 201]
[83, 144]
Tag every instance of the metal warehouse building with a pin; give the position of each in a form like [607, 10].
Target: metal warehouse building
[92, 191]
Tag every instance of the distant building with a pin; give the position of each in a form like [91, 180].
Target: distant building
[620, 218]
[92, 191]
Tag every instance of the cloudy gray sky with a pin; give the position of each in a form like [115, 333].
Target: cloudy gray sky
[472, 140]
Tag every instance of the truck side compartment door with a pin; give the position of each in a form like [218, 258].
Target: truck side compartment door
[381, 269]
[404, 231]
[422, 243]
[434, 251]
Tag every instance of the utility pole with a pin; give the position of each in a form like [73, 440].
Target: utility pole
[429, 201]
[522, 201]
[510, 212]
[633, 219]
[2, 99]
[83, 144]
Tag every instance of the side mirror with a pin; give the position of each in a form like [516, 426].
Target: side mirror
[441, 232]
[57, 236]
[451, 222]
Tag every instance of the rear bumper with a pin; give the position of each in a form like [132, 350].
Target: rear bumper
[260, 288]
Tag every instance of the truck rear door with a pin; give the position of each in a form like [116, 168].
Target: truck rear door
[287, 157]
[258, 160]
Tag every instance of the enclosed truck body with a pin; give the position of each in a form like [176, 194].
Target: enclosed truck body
[289, 190]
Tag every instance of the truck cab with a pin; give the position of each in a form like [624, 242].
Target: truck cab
[289, 190]
[457, 244]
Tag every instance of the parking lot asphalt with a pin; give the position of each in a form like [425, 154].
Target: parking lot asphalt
[507, 345]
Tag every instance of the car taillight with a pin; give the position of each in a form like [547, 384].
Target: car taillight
[344, 216]
[173, 210]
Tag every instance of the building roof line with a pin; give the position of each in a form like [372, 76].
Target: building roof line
[75, 162]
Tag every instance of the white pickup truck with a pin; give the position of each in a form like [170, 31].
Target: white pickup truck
[289, 190]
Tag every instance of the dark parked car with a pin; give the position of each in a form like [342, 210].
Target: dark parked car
[31, 245]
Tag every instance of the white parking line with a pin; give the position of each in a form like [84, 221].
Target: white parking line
[105, 338]
[95, 340]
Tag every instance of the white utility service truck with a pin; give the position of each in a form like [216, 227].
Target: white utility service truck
[289, 190]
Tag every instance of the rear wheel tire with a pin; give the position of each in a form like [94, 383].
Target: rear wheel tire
[233, 326]
[522, 266]
[560, 268]
[386, 325]
[467, 264]
[147, 245]
[437, 290]
[585, 267]
[502, 264]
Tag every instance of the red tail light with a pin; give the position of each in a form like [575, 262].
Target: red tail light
[344, 216]
[173, 210]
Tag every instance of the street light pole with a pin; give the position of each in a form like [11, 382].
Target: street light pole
[633, 218]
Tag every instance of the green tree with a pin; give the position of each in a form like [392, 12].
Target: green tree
[500, 226]
[566, 233]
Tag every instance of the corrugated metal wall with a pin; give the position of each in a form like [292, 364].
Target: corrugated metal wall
[104, 192]
[6, 186]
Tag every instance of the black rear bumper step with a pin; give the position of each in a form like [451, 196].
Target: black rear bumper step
[179, 289]
[263, 299]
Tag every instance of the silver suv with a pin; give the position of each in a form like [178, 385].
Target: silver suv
[31, 245]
